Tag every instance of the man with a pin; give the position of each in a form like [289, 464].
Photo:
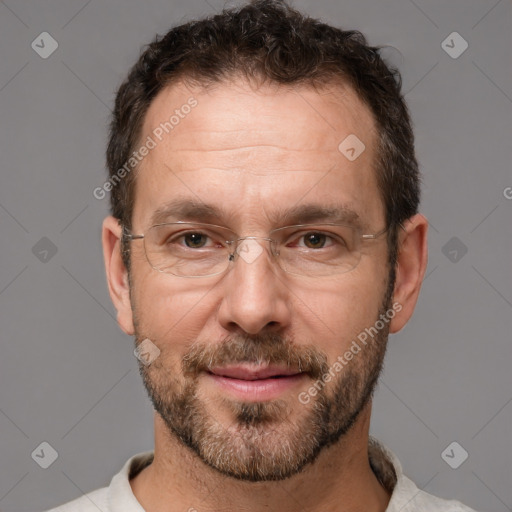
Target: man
[264, 241]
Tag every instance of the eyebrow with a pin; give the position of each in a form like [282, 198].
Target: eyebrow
[305, 213]
[189, 210]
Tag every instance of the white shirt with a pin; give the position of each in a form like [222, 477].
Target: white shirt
[405, 497]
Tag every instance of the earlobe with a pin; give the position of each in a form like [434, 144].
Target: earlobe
[117, 274]
[410, 269]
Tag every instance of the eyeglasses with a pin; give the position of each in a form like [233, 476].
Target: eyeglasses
[187, 249]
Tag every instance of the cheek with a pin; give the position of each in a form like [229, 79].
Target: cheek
[170, 310]
[333, 315]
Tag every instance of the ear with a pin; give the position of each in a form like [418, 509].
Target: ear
[117, 274]
[410, 269]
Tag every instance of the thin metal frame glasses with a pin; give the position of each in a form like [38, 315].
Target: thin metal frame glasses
[194, 249]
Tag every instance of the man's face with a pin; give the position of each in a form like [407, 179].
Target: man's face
[253, 156]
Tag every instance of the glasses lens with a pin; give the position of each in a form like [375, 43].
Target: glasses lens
[187, 249]
[318, 250]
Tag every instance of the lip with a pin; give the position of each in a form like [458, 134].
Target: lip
[250, 372]
[258, 384]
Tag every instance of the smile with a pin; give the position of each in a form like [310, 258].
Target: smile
[256, 383]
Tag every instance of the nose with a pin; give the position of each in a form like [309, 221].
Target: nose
[255, 297]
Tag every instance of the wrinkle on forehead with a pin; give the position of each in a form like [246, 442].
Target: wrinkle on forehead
[235, 116]
[246, 145]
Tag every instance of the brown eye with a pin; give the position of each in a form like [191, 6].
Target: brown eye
[195, 240]
[315, 240]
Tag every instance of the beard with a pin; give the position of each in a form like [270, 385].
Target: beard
[272, 440]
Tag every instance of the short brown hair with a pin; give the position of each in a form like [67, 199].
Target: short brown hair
[270, 40]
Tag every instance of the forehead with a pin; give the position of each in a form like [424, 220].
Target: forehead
[245, 150]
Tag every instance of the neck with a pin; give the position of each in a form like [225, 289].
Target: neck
[340, 480]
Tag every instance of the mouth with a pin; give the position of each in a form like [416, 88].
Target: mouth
[256, 383]
[250, 372]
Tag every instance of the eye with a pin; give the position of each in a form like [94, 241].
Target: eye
[182, 238]
[315, 240]
[312, 240]
[195, 240]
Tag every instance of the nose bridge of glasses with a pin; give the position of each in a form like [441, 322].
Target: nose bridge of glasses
[249, 248]
[242, 238]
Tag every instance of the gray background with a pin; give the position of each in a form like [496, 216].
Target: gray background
[67, 373]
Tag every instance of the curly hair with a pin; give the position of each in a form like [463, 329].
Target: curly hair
[270, 40]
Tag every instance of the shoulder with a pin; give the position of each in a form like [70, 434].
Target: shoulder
[118, 496]
[405, 495]
[408, 498]
[90, 502]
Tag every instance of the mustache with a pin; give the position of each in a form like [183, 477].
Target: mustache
[261, 349]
